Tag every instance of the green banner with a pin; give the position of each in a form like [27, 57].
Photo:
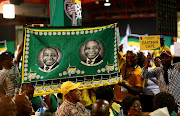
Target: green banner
[65, 13]
[54, 55]
[7, 46]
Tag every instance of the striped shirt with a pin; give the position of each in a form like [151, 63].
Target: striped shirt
[8, 85]
[173, 79]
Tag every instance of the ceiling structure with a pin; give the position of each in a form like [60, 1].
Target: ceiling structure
[119, 9]
[29, 12]
[37, 11]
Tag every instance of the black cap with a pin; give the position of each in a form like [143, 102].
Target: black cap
[6, 56]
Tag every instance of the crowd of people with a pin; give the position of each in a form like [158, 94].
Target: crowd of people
[143, 90]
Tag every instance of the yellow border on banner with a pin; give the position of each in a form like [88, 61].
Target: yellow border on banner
[2, 49]
[90, 87]
[71, 29]
[23, 56]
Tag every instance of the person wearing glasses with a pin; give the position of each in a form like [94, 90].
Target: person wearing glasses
[132, 82]
[131, 106]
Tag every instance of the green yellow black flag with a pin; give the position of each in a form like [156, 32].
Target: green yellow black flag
[3, 46]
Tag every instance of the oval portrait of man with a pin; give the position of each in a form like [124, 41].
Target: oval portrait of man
[49, 58]
[92, 52]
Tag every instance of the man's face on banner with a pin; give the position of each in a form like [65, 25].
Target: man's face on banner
[50, 56]
[92, 49]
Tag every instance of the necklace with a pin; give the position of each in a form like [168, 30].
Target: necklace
[130, 72]
[15, 81]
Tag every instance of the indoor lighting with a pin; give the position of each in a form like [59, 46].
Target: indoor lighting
[9, 11]
[107, 4]
[97, 2]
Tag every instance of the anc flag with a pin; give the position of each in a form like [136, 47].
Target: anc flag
[54, 55]
[65, 13]
[3, 46]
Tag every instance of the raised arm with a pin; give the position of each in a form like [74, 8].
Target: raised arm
[135, 90]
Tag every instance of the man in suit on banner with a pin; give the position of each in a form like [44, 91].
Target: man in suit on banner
[50, 57]
[92, 50]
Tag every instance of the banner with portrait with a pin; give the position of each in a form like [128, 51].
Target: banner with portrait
[52, 56]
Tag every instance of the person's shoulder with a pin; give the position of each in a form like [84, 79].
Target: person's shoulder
[63, 106]
[60, 112]
[100, 56]
[42, 67]
[138, 69]
[2, 76]
[98, 59]
[55, 66]
[80, 104]
[177, 65]
[2, 72]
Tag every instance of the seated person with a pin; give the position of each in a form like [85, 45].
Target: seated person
[71, 105]
[24, 106]
[7, 106]
[164, 99]
[100, 108]
[131, 106]
[106, 93]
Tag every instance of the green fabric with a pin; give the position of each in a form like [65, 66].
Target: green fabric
[168, 40]
[11, 46]
[2, 45]
[88, 110]
[114, 112]
[72, 50]
[53, 102]
[56, 12]
[58, 16]
[35, 100]
[173, 113]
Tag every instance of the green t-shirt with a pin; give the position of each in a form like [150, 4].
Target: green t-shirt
[35, 100]
[173, 113]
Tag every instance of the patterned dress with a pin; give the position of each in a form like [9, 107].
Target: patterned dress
[70, 109]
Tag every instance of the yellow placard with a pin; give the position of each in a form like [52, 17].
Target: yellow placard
[149, 42]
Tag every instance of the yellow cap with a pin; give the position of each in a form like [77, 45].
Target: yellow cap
[68, 86]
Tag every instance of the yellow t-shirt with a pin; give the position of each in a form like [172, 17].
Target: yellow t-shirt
[158, 52]
[86, 101]
[133, 80]
[121, 61]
